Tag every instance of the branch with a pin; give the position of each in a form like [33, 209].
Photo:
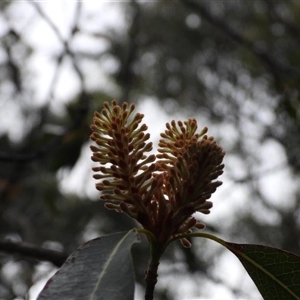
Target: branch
[276, 17]
[84, 101]
[32, 251]
[271, 62]
[65, 42]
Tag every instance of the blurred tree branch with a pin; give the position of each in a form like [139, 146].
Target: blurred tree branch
[65, 42]
[126, 76]
[32, 251]
[83, 98]
[274, 66]
[292, 28]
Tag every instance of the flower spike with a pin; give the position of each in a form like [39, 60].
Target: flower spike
[161, 195]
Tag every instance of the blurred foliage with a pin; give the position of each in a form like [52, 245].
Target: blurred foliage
[234, 63]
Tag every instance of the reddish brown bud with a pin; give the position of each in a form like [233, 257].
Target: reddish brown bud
[185, 243]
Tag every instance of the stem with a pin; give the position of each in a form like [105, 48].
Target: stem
[201, 234]
[151, 273]
[151, 278]
[208, 236]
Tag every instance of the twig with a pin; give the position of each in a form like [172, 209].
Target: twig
[125, 75]
[65, 42]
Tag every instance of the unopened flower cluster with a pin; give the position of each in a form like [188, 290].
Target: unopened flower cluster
[161, 191]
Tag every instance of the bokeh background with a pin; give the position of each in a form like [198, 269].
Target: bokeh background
[232, 65]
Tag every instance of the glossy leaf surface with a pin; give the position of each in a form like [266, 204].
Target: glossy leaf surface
[100, 269]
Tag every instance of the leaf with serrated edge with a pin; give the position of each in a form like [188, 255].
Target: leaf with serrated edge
[100, 269]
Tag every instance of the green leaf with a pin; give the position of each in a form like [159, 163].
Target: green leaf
[100, 269]
[275, 272]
